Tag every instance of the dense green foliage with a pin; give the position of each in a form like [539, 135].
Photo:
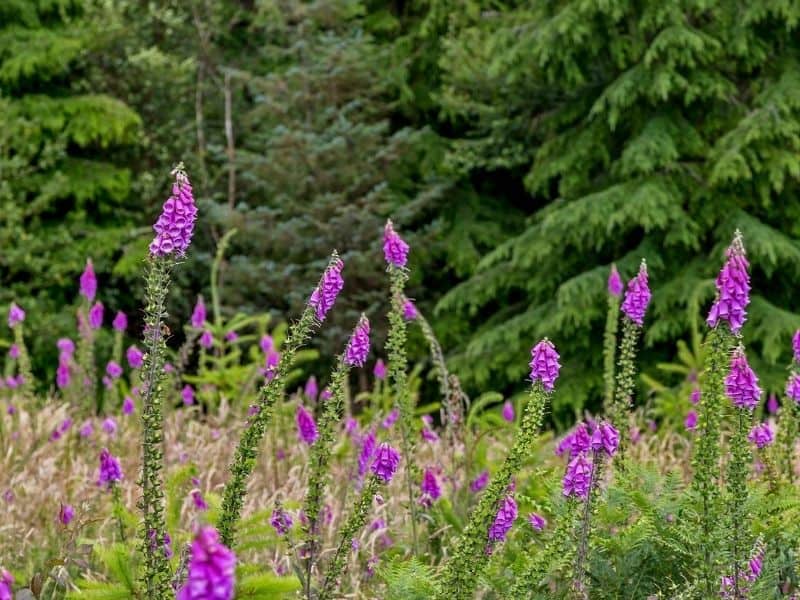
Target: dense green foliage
[521, 148]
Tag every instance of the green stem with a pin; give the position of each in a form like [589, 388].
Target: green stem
[610, 350]
[625, 384]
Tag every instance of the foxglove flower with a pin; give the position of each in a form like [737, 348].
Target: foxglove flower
[637, 297]
[175, 226]
[281, 521]
[690, 422]
[395, 250]
[366, 453]
[198, 318]
[325, 294]
[409, 310]
[206, 339]
[120, 322]
[772, 404]
[13, 352]
[63, 376]
[694, 397]
[614, 282]
[761, 435]
[110, 470]
[793, 387]
[231, 336]
[384, 465]
[110, 425]
[198, 500]
[577, 479]
[266, 343]
[796, 346]
[741, 384]
[128, 406]
[503, 521]
[390, 419]
[358, 346]
[605, 438]
[480, 482]
[88, 281]
[431, 491]
[65, 514]
[86, 430]
[306, 427]
[379, 370]
[15, 315]
[96, 315]
[311, 390]
[6, 581]
[66, 347]
[733, 288]
[113, 369]
[508, 411]
[135, 357]
[187, 395]
[212, 569]
[538, 522]
[544, 364]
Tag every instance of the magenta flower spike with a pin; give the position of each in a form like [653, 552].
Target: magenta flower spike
[120, 322]
[690, 422]
[110, 470]
[198, 500]
[135, 357]
[113, 369]
[212, 569]
[431, 491]
[324, 296]
[637, 297]
[206, 339]
[793, 387]
[409, 310]
[306, 427]
[480, 482]
[355, 355]
[385, 463]
[15, 315]
[311, 391]
[88, 281]
[614, 282]
[694, 397]
[366, 452]
[66, 346]
[741, 384]
[395, 250]
[605, 438]
[281, 521]
[733, 288]
[772, 404]
[63, 376]
[391, 419]
[96, 315]
[187, 395]
[796, 346]
[578, 477]
[65, 514]
[6, 583]
[379, 370]
[544, 364]
[198, 314]
[538, 522]
[508, 411]
[503, 520]
[175, 226]
[128, 406]
[761, 435]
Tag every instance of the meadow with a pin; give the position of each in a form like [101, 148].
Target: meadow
[214, 468]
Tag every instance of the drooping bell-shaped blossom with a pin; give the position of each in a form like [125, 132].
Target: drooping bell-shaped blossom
[63, 376]
[793, 387]
[772, 404]
[266, 343]
[198, 314]
[385, 463]
[577, 441]
[366, 452]
[605, 438]
[271, 362]
[212, 569]
[311, 390]
[110, 470]
[65, 514]
[508, 411]
[357, 349]
[733, 288]
[409, 310]
[281, 521]
[538, 522]
[175, 226]
[66, 347]
[690, 422]
[796, 346]
[480, 482]
[431, 491]
[135, 357]
[96, 315]
[614, 282]
[6, 584]
[761, 435]
[113, 370]
[88, 281]
[206, 339]
[637, 296]
[15, 315]
[128, 406]
[325, 294]
[198, 500]
[380, 369]
[306, 427]
[544, 364]
[503, 520]
[694, 397]
[427, 432]
[390, 419]
[741, 384]
[395, 250]
[577, 479]
[120, 322]
[187, 395]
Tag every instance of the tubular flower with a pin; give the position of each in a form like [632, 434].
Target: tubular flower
[110, 469]
[690, 422]
[733, 288]
[506, 515]
[96, 315]
[366, 453]
[772, 404]
[358, 346]
[508, 411]
[578, 477]
[637, 297]
[538, 522]
[65, 514]
[6, 581]
[544, 364]
[198, 314]
[311, 390]
[796, 346]
[409, 310]
[120, 322]
[605, 438]
[395, 250]
[761, 435]
[380, 369]
[281, 521]
[88, 281]
[741, 384]
[385, 463]
[306, 427]
[128, 406]
[135, 357]
[477, 484]
[324, 296]
[212, 569]
[113, 369]
[793, 387]
[175, 226]
[187, 395]
[15, 315]
[430, 488]
[614, 282]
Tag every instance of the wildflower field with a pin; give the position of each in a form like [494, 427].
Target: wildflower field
[211, 470]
